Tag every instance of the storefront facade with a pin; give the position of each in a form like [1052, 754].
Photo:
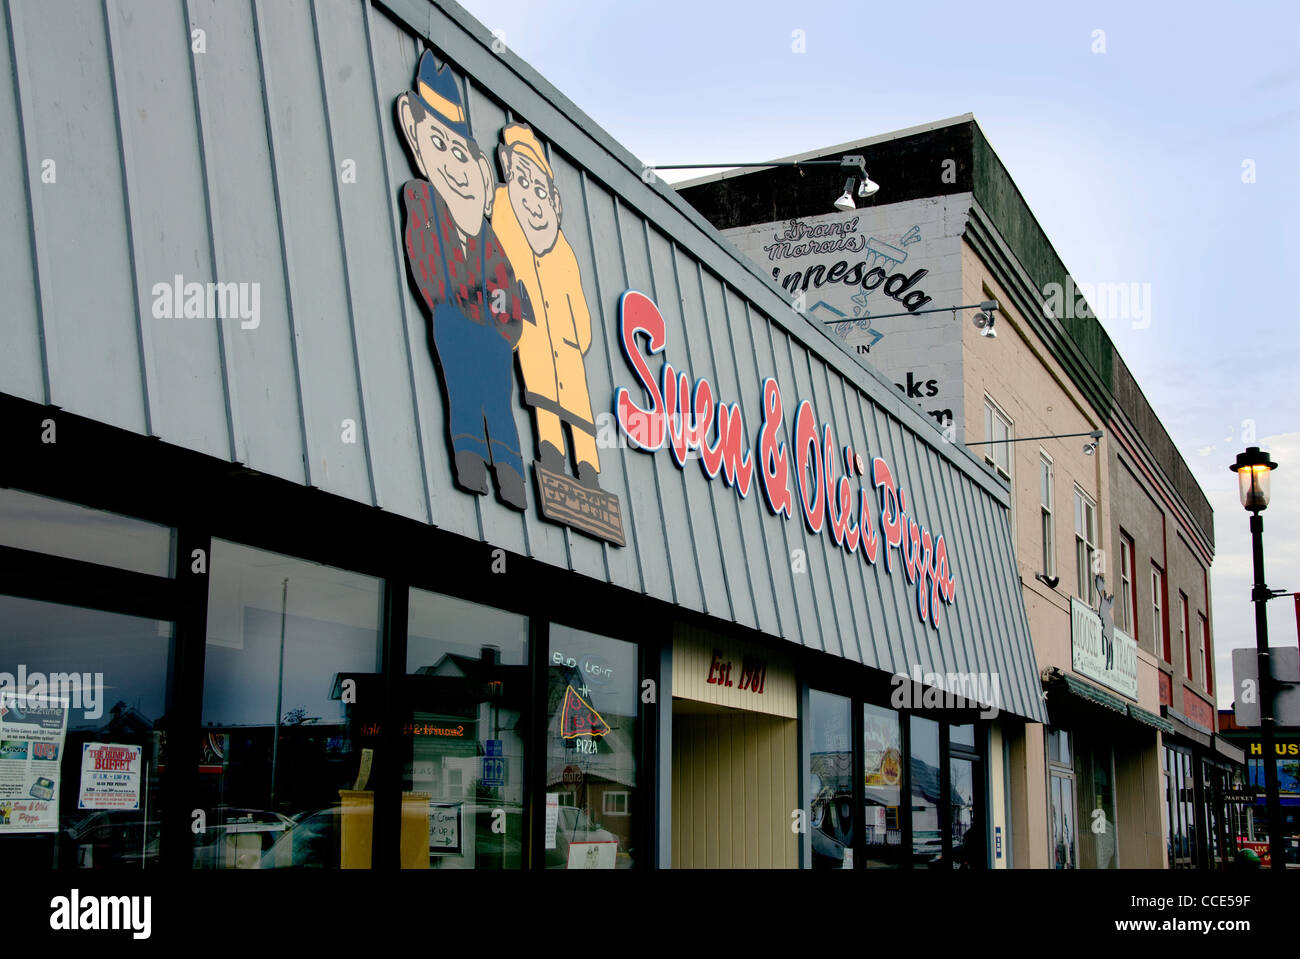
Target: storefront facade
[409, 483]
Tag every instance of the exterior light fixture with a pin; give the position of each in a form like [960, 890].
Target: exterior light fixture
[845, 202]
[866, 188]
[987, 308]
[1090, 448]
[1253, 468]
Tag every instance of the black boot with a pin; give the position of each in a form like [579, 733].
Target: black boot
[510, 487]
[471, 472]
[552, 459]
[588, 476]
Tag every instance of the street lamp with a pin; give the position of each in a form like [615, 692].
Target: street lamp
[1253, 468]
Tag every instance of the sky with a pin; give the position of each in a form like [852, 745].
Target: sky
[1154, 147]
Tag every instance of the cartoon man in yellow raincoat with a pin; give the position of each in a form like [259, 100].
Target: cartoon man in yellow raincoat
[526, 217]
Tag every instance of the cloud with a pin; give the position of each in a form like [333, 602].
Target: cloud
[1232, 574]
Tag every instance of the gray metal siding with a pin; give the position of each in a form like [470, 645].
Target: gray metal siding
[226, 165]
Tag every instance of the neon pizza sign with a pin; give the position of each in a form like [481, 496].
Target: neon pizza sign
[691, 420]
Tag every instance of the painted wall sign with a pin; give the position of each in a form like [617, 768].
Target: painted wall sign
[855, 267]
[1198, 709]
[693, 419]
[1107, 655]
[499, 279]
[752, 675]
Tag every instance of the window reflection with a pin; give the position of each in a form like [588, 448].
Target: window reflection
[927, 841]
[591, 773]
[468, 695]
[883, 773]
[82, 735]
[290, 713]
[830, 768]
[53, 526]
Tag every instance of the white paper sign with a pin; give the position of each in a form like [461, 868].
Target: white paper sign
[552, 818]
[592, 855]
[33, 729]
[110, 776]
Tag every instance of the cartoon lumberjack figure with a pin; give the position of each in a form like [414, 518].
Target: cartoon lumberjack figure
[526, 217]
[476, 306]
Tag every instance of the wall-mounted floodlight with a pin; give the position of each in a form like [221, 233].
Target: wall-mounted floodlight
[866, 188]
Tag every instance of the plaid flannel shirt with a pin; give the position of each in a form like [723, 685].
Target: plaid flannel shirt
[480, 274]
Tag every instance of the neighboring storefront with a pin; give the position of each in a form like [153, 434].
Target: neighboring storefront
[1247, 819]
[395, 479]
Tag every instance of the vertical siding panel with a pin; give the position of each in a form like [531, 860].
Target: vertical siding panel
[709, 727]
[699, 806]
[874, 646]
[678, 810]
[733, 541]
[812, 629]
[312, 247]
[644, 499]
[676, 515]
[22, 361]
[365, 210]
[749, 394]
[896, 629]
[61, 71]
[688, 343]
[832, 599]
[260, 372]
[843, 572]
[600, 260]
[726, 824]
[753, 787]
[168, 226]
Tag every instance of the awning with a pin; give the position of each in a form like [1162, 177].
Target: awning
[1151, 719]
[1078, 687]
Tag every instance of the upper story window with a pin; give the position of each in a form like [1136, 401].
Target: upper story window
[1046, 483]
[1157, 612]
[1205, 652]
[999, 431]
[1085, 545]
[1185, 633]
[1127, 584]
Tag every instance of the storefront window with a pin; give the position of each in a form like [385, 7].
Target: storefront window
[53, 526]
[82, 700]
[1061, 792]
[291, 709]
[927, 839]
[830, 788]
[967, 848]
[882, 757]
[592, 710]
[467, 711]
[1096, 813]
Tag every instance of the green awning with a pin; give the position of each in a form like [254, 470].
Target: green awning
[1151, 719]
[1096, 695]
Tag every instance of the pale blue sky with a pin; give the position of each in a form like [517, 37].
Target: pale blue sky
[1131, 159]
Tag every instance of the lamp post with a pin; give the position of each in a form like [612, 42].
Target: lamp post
[1253, 468]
